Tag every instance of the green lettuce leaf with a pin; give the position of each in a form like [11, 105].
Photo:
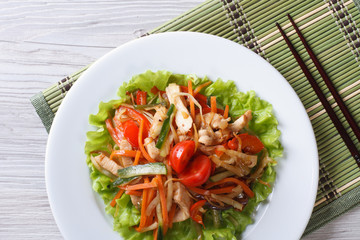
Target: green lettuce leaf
[233, 223]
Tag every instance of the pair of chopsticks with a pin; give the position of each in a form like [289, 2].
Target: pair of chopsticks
[347, 139]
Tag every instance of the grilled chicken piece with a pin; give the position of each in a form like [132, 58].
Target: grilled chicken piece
[209, 137]
[241, 122]
[158, 120]
[107, 164]
[153, 151]
[182, 199]
[126, 161]
[183, 119]
[216, 121]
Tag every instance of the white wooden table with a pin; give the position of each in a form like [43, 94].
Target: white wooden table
[40, 43]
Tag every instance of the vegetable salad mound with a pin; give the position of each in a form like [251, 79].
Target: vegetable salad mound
[182, 157]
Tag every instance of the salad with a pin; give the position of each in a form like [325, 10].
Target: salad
[182, 157]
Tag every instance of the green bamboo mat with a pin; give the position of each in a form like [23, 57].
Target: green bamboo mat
[331, 29]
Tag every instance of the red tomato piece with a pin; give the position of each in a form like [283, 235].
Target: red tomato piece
[233, 144]
[197, 172]
[195, 213]
[250, 143]
[131, 132]
[141, 97]
[181, 154]
[135, 115]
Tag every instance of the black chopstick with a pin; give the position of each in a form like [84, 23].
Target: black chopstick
[349, 143]
[328, 83]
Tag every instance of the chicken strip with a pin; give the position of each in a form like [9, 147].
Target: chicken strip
[106, 163]
[183, 119]
[153, 151]
[158, 121]
[182, 199]
[125, 161]
[241, 122]
[216, 121]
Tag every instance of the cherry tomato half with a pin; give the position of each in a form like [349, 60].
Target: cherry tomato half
[250, 143]
[197, 172]
[181, 154]
[131, 132]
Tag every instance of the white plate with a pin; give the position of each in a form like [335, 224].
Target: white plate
[78, 211]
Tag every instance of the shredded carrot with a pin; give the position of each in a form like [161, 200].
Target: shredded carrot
[199, 190]
[198, 89]
[151, 196]
[213, 104]
[137, 157]
[226, 112]
[222, 190]
[172, 214]
[207, 192]
[156, 233]
[245, 187]
[123, 153]
[141, 145]
[133, 192]
[163, 203]
[144, 203]
[264, 183]
[192, 105]
[117, 196]
[139, 186]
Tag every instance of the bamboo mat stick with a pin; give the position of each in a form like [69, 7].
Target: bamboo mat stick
[195, 14]
[215, 15]
[263, 29]
[204, 23]
[217, 28]
[261, 18]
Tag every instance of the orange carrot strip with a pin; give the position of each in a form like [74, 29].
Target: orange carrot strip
[207, 192]
[264, 183]
[137, 157]
[155, 234]
[226, 112]
[172, 214]
[163, 203]
[222, 190]
[133, 192]
[141, 145]
[139, 186]
[144, 203]
[117, 196]
[151, 196]
[213, 104]
[199, 190]
[245, 187]
[198, 89]
[192, 105]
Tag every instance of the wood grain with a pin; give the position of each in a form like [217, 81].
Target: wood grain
[40, 43]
